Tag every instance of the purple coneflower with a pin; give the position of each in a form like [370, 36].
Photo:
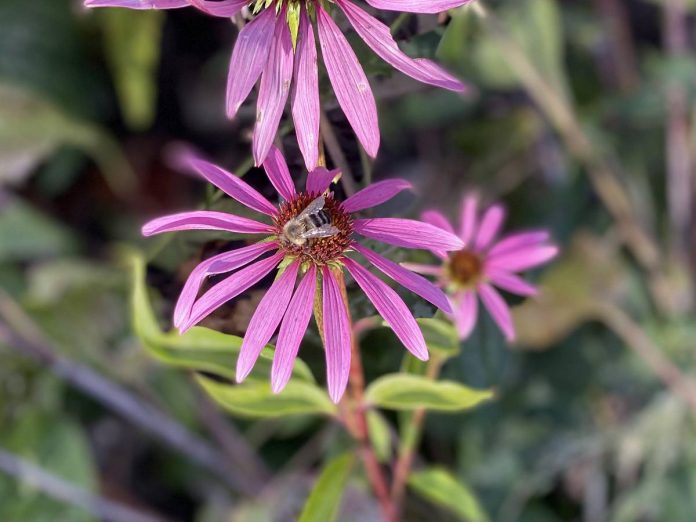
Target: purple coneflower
[278, 46]
[309, 236]
[485, 262]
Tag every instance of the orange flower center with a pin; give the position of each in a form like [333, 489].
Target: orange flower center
[464, 267]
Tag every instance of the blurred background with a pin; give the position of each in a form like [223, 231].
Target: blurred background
[581, 120]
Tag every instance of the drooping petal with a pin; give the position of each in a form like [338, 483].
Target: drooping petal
[138, 4]
[349, 82]
[407, 233]
[292, 330]
[320, 179]
[337, 335]
[230, 184]
[229, 288]
[378, 36]
[468, 222]
[523, 258]
[265, 320]
[519, 240]
[274, 89]
[417, 284]
[205, 220]
[437, 219]
[375, 194]
[221, 8]
[498, 309]
[278, 174]
[249, 57]
[510, 282]
[417, 6]
[305, 93]
[466, 313]
[219, 264]
[490, 226]
[391, 307]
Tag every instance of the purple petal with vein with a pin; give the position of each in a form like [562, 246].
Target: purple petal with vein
[378, 37]
[205, 220]
[265, 320]
[349, 82]
[230, 288]
[218, 264]
[375, 194]
[499, 310]
[468, 219]
[407, 233]
[221, 8]
[292, 330]
[391, 308]
[305, 93]
[517, 241]
[249, 57]
[279, 174]
[138, 4]
[419, 268]
[522, 258]
[490, 226]
[466, 314]
[417, 6]
[337, 336]
[511, 282]
[230, 184]
[319, 180]
[274, 89]
[417, 284]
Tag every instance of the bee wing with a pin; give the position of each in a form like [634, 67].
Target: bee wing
[323, 231]
[314, 207]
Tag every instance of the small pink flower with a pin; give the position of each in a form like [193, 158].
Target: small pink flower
[264, 49]
[319, 259]
[484, 263]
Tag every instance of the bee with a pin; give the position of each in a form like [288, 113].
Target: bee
[312, 223]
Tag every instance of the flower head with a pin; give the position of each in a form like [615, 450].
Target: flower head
[278, 47]
[484, 263]
[309, 237]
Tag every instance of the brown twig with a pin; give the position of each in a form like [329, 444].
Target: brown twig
[334, 147]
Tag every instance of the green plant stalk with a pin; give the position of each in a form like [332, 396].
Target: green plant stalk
[410, 438]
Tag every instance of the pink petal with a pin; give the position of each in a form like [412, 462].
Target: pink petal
[249, 57]
[491, 223]
[219, 264]
[230, 288]
[407, 233]
[230, 184]
[391, 308]
[375, 194]
[319, 180]
[337, 335]
[417, 284]
[498, 309]
[437, 219]
[349, 82]
[279, 174]
[378, 37]
[423, 269]
[520, 240]
[468, 218]
[221, 8]
[138, 4]
[417, 6]
[466, 314]
[511, 282]
[265, 320]
[205, 220]
[292, 330]
[522, 258]
[274, 89]
[305, 93]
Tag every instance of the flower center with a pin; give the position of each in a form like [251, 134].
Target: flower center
[464, 267]
[314, 228]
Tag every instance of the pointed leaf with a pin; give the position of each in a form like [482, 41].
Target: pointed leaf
[325, 499]
[441, 488]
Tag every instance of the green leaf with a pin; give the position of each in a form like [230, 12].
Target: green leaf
[440, 487]
[380, 435]
[325, 500]
[409, 392]
[199, 348]
[440, 336]
[133, 41]
[254, 398]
